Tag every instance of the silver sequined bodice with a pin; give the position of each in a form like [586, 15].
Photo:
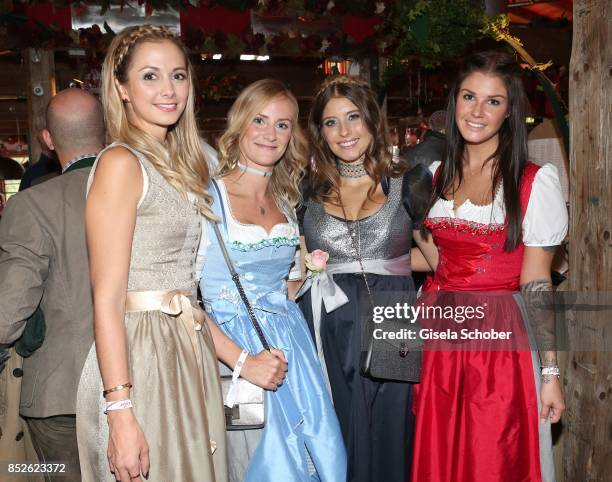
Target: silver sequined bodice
[386, 234]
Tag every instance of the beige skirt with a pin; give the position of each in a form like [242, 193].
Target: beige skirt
[176, 394]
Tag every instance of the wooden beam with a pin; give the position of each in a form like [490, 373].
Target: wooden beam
[588, 389]
[40, 89]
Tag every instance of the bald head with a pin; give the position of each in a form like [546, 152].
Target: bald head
[75, 122]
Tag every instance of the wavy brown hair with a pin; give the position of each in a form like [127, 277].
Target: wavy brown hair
[180, 159]
[289, 171]
[323, 175]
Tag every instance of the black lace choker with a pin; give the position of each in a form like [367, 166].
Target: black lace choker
[351, 169]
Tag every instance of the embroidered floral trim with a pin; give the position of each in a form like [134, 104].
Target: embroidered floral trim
[229, 294]
[265, 243]
[463, 226]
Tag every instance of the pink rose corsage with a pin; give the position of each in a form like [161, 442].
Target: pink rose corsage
[316, 262]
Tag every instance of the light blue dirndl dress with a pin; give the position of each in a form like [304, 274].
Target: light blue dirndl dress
[301, 440]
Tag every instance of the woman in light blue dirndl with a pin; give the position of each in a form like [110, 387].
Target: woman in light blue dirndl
[301, 440]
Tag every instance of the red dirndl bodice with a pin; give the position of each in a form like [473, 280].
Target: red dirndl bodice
[476, 406]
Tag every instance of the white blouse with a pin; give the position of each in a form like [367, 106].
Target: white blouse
[250, 236]
[545, 222]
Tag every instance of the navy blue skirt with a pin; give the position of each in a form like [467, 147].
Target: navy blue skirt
[375, 416]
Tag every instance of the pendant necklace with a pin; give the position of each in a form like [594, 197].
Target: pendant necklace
[257, 172]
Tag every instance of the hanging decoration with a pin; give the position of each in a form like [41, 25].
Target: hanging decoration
[360, 28]
[499, 28]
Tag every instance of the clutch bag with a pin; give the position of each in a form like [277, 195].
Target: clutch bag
[247, 413]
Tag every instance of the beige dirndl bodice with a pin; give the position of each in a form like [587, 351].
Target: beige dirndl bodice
[172, 362]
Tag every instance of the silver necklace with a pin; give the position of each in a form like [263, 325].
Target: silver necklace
[356, 247]
[351, 169]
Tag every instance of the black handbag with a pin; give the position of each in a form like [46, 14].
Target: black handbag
[381, 358]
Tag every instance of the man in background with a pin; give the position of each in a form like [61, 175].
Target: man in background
[45, 294]
[431, 148]
[45, 168]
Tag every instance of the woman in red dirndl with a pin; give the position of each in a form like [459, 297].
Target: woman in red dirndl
[484, 407]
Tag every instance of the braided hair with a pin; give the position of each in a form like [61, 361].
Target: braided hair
[180, 158]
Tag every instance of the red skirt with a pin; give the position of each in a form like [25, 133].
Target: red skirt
[477, 410]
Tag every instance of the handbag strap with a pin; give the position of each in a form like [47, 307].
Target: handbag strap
[357, 252]
[236, 277]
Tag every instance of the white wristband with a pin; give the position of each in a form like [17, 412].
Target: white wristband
[239, 365]
[232, 394]
[118, 405]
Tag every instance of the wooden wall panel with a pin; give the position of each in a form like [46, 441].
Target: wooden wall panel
[588, 420]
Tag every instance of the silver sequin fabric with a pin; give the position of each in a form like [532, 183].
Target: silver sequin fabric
[386, 234]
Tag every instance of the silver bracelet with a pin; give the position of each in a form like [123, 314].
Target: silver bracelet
[551, 370]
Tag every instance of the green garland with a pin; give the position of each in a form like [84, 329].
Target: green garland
[432, 30]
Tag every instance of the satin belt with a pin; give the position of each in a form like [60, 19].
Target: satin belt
[325, 291]
[174, 303]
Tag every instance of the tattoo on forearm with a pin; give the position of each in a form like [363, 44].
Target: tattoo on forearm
[538, 295]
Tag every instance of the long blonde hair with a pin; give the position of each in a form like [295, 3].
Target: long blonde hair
[180, 160]
[289, 171]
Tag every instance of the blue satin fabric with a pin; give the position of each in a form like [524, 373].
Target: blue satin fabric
[300, 418]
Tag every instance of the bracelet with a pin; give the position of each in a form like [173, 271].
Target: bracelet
[551, 370]
[125, 386]
[232, 394]
[239, 364]
[118, 405]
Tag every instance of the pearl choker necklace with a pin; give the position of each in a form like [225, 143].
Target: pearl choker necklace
[351, 169]
[254, 170]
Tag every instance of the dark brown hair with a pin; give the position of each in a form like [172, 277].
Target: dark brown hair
[511, 154]
[323, 175]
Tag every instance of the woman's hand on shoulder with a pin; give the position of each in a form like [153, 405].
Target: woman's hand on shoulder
[267, 369]
[128, 451]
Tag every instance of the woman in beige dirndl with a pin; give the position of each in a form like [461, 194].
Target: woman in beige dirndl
[150, 405]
